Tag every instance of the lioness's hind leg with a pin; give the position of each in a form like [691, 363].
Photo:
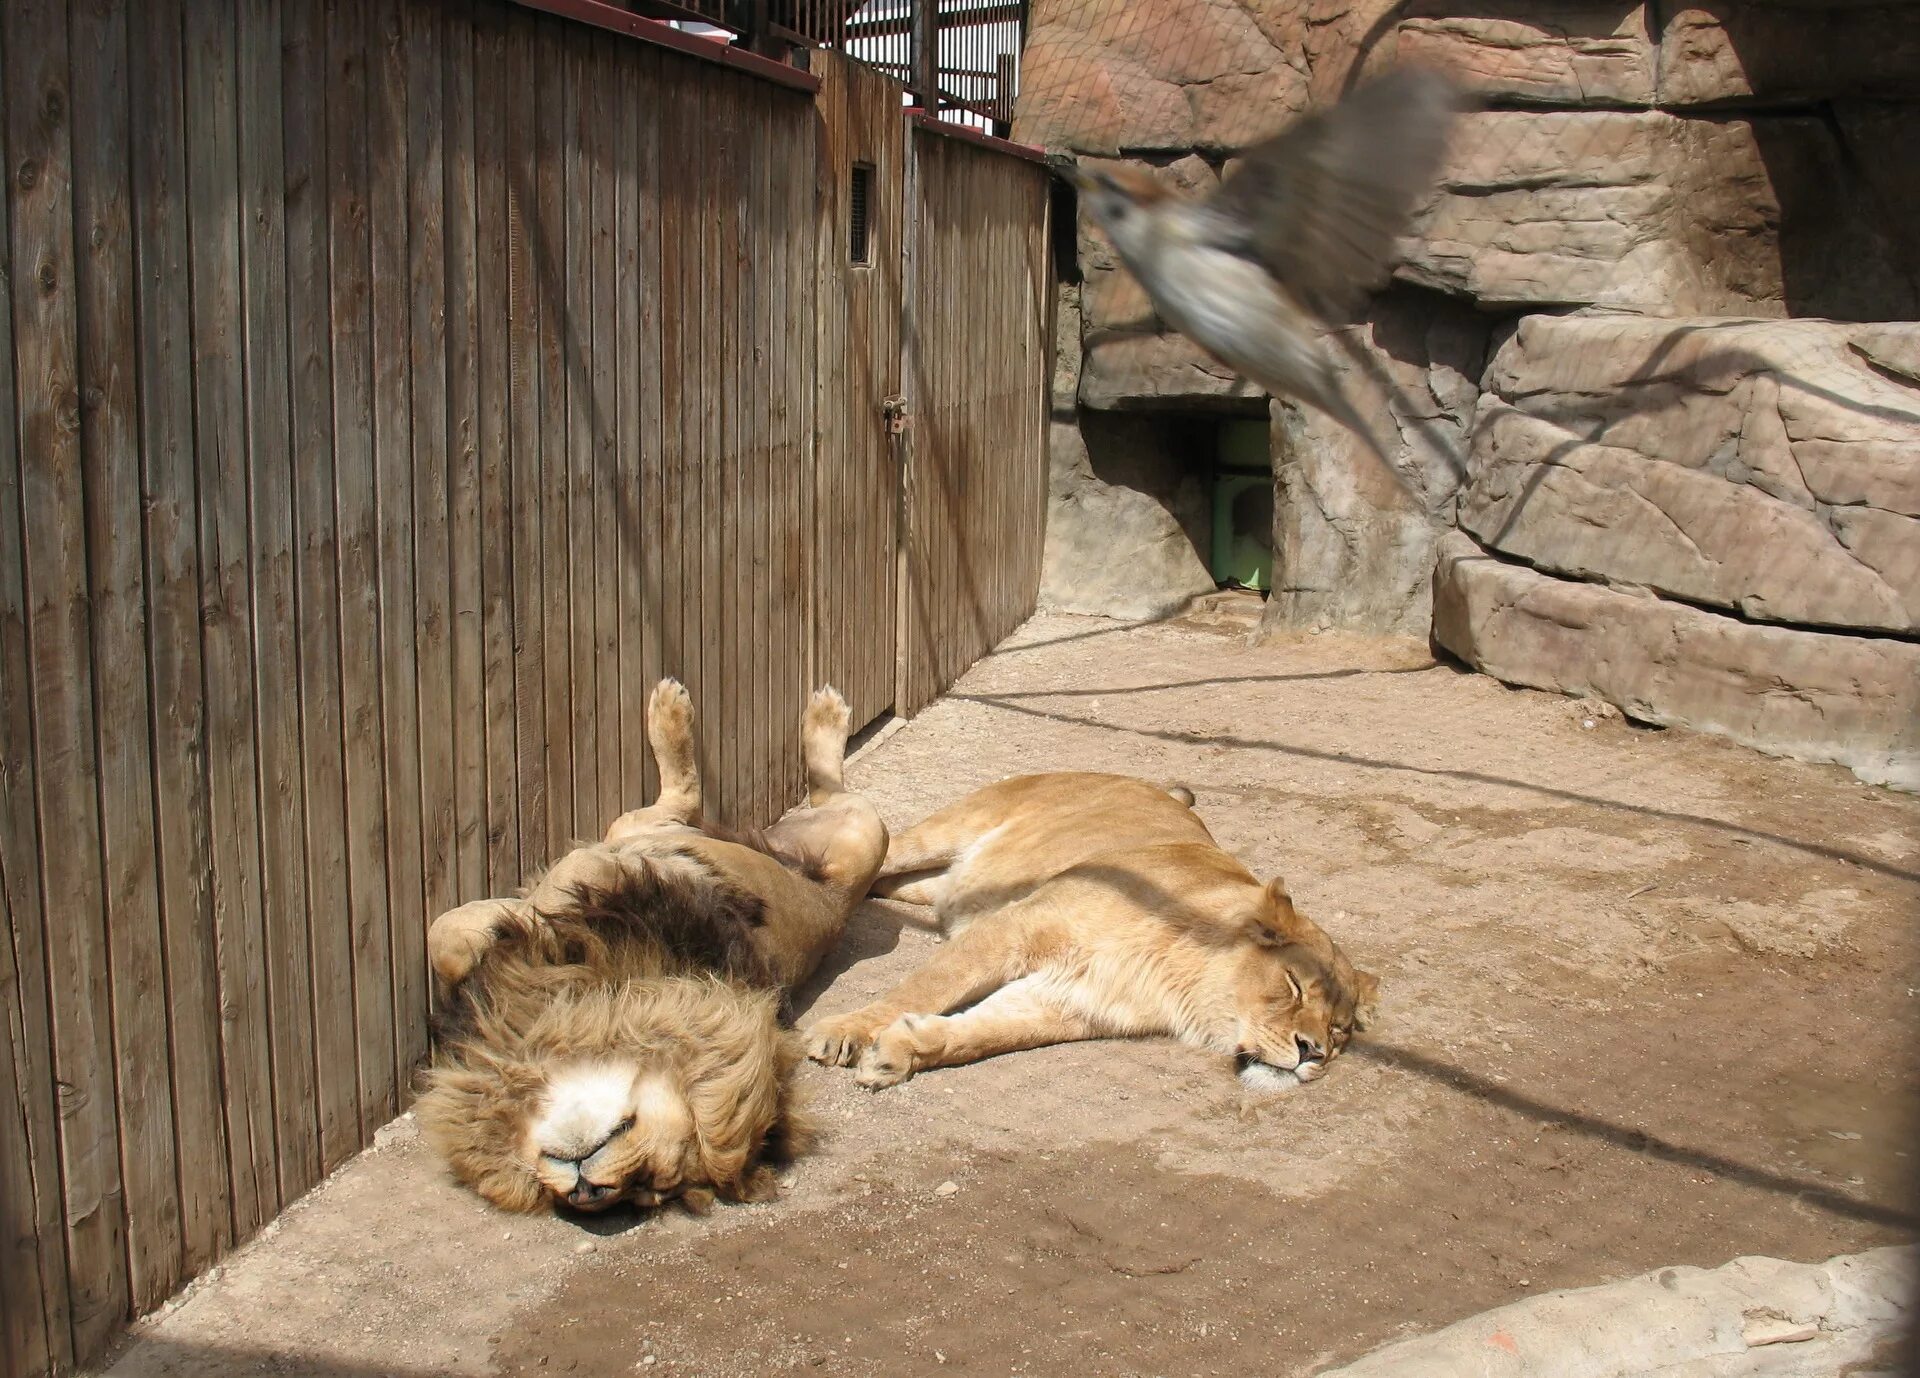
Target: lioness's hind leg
[1019, 1015]
[932, 844]
[670, 735]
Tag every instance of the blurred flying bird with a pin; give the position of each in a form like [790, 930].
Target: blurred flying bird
[1306, 226]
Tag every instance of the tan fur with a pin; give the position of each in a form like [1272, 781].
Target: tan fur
[1090, 906]
[614, 1033]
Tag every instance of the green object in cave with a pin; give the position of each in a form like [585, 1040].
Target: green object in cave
[1243, 507]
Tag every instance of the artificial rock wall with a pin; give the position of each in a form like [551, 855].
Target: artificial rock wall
[1650, 368]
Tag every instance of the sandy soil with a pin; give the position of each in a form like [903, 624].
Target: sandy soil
[1648, 1000]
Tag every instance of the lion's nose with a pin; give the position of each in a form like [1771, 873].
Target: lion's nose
[589, 1195]
[1309, 1050]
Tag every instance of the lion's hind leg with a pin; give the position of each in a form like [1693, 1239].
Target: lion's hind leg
[670, 735]
[1026, 1013]
[823, 744]
[839, 838]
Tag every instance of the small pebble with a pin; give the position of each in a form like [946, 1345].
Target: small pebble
[585, 1246]
[649, 1360]
[946, 1189]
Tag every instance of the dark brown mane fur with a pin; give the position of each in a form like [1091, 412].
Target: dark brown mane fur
[657, 921]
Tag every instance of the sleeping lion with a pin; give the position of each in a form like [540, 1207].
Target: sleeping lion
[614, 1033]
[1097, 906]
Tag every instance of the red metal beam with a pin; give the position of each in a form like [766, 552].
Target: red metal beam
[967, 132]
[616, 20]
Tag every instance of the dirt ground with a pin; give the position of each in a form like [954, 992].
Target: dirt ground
[1648, 999]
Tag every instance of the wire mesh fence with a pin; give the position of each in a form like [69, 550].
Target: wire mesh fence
[959, 59]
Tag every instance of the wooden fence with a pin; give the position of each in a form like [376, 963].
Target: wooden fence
[398, 388]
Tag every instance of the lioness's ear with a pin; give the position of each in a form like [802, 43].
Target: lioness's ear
[1278, 922]
[1366, 1000]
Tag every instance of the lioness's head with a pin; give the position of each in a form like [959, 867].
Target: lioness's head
[679, 1089]
[1300, 999]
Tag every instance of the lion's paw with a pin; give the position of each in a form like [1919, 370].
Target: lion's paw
[839, 1041]
[670, 709]
[827, 711]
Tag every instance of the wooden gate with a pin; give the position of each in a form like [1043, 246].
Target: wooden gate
[860, 248]
[934, 352]
[976, 352]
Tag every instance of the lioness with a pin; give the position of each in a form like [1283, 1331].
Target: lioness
[613, 1034]
[1096, 906]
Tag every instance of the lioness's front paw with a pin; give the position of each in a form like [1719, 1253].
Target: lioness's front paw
[890, 1060]
[839, 1040]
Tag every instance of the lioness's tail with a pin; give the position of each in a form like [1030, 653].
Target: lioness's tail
[1182, 793]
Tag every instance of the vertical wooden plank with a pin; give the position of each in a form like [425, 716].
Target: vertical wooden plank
[110, 443]
[802, 555]
[278, 788]
[627, 89]
[730, 698]
[220, 439]
[467, 534]
[649, 94]
[705, 537]
[35, 1337]
[608, 68]
[305, 76]
[679, 116]
[33, 1322]
[387, 164]
[573, 284]
[358, 537]
[828, 315]
[428, 368]
[521, 90]
[763, 276]
[792, 319]
[158, 86]
[549, 251]
[502, 523]
[48, 382]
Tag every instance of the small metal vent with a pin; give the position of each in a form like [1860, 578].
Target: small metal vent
[860, 247]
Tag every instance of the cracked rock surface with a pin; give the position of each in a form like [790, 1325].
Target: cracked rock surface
[1753, 1316]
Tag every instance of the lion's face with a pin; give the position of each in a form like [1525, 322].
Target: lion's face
[1300, 999]
[677, 1090]
[611, 1130]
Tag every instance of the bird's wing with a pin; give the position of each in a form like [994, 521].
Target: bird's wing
[1322, 203]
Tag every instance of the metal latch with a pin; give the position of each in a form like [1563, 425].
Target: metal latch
[895, 410]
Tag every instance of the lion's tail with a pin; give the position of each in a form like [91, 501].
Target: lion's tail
[1182, 793]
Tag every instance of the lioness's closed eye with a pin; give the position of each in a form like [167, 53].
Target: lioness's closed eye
[1092, 906]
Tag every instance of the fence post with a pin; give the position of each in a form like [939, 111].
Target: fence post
[925, 28]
